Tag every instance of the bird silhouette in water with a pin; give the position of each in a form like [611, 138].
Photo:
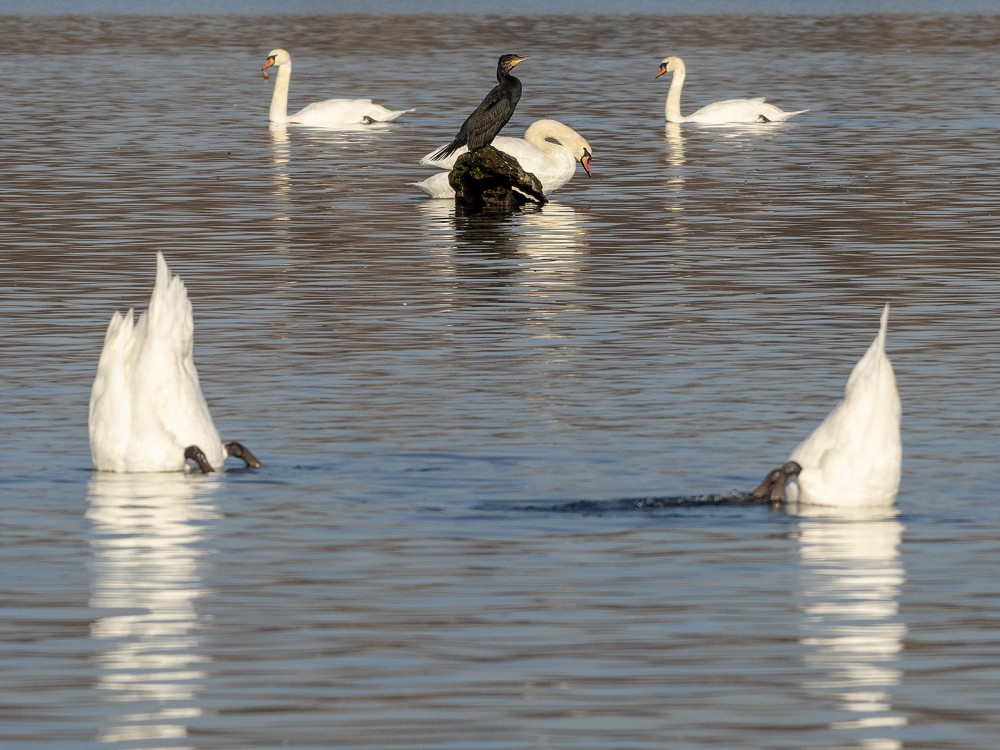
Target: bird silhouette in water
[482, 126]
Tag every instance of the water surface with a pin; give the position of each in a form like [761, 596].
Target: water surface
[474, 429]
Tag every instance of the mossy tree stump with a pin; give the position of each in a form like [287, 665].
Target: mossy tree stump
[490, 180]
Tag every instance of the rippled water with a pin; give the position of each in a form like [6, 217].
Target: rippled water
[491, 445]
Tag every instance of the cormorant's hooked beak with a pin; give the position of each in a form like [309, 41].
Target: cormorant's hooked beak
[585, 161]
[663, 69]
[268, 64]
[518, 60]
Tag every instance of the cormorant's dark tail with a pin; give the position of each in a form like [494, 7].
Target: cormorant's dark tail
[448, 150]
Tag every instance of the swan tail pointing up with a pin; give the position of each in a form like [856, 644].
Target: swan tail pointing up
[146, 404]
[874, 367]
[853, 458]
[170, 380]
[109, 411]
[147, 412]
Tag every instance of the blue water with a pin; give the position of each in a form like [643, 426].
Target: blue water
[494, 449]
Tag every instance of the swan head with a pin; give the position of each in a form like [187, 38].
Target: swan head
[565, 136]
[276, 57]
[669, 65]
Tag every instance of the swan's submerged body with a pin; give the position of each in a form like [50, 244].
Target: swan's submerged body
[853, 459]
[329, 113]
[730, 111]
[146, 405]
[553, 163]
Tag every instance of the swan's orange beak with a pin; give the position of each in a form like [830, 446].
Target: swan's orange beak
[585, 161]
[268, 64]
[663, 69]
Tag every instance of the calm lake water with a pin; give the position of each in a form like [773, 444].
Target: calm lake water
[493, 447]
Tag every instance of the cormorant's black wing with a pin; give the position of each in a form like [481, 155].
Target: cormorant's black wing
[482, 126]
[493, 113]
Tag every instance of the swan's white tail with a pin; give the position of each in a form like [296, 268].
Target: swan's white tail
[883, 327]
[854, 457]
[874, 360]
[169, 317]
[146, 404]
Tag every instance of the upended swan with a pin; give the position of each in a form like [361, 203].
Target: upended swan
[718, 113]
[853, 459]
[553, 163]
[147, 412]
[329, 113]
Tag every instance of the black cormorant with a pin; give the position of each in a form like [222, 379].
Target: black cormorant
[482, 126]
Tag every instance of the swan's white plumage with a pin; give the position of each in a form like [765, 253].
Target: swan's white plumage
[549, 150]
[730, 111]
[853, 459]
[329, 113]
[146, 405]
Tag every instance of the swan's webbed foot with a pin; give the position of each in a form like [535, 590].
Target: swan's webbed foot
[196, 454]
[774, 483]
[238, 450]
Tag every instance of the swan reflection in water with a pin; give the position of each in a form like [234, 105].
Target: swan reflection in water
[147, 534]
[319, 138]
[533, 261]
[674, 158]
[281, 155]
[851, 581]
[555, 237]
[675, 148]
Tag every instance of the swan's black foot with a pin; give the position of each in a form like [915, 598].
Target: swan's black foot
[196, 454]
[774, 483]
[238, 450]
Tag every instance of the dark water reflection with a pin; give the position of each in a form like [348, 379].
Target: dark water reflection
[457, 414]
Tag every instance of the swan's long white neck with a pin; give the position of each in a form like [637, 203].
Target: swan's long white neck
[673, 108]
[279, 99]
[540, 131]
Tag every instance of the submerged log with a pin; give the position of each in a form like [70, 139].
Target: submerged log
[490, 180]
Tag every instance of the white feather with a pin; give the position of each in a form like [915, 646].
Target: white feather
[146, 405]
[854, 457]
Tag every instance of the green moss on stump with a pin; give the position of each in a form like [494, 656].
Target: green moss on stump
[485, 180]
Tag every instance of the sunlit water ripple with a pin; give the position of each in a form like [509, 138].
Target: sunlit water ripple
[495, 449]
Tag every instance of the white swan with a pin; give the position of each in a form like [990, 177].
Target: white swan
[329, 113]
[553, 163]
[854, 458]
[719, 113]
[147, 412]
